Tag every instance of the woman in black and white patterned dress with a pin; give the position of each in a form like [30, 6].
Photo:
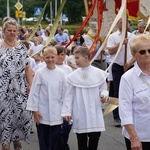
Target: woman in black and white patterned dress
[15, 79]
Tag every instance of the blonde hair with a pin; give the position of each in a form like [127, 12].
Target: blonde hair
[136, 40]
[10, 22]
[49, 49]
[7, 19]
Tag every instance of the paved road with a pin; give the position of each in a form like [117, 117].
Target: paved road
[111, 139]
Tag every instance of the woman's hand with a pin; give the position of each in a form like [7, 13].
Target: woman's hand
[136, 144]
[28, 89]
[37, 117]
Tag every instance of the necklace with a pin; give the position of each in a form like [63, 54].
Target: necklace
[10, 44]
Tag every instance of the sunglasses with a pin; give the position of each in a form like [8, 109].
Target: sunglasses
[142, 52]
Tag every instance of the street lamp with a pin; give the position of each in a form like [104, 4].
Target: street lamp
[22, 12]
[8, 11]
[61, 13]
[55, 8]
[51, 13]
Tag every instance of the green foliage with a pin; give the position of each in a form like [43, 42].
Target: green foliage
[73, 29]
[73, 8]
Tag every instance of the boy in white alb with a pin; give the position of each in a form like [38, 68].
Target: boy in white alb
[45, 100]
[87, 90]
[61, 52]
[66, 126]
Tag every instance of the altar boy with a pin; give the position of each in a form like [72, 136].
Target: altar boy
[87, 90]
[45, 100]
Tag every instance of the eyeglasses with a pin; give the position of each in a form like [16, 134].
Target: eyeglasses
[143, 52]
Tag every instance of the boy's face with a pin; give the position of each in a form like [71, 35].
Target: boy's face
[81, 61]
[37, 57]
[61, 58]
[35, 42]
[50, 59]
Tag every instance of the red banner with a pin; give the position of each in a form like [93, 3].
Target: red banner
[89, 2]
[83, 23]
[132, 7]
[100, 18]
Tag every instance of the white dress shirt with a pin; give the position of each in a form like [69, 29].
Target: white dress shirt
[113, 40]
[134, 102]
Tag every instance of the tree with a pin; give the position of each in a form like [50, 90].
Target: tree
[73, 8]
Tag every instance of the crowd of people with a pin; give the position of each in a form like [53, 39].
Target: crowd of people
[60, 89]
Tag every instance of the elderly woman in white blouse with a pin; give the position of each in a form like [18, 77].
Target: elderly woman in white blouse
[134, 96]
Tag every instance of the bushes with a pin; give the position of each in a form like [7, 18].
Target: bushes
[73, 29]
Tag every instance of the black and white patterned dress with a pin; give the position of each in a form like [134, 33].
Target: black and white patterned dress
[15, 120]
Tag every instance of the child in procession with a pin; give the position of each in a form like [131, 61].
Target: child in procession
[66, 126]
[45, 100]
[87, 90]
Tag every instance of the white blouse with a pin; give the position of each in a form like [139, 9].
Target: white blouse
[134, 102]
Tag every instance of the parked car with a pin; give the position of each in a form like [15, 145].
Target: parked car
[31, 19]
[65, 19]
[48, 19]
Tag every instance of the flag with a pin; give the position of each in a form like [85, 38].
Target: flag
[132, 8]
[144, 9]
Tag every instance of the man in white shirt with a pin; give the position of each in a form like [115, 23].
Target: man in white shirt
[61, 38]
[141, 28]
[118, 68]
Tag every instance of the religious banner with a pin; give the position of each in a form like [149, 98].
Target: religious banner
[121, 13]
[101, 20]
[95, 21]
[132, 8]
[144, 8]
[108, 17]
[89, 2]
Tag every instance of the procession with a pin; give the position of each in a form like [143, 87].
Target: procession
[83, 91]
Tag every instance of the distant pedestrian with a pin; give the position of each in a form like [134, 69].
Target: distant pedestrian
[66, 126]
[61, 38]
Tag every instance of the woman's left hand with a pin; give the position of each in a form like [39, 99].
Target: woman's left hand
[28, 89]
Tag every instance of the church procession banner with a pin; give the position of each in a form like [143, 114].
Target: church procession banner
[144, 8]
[132, 8]
[101, 19]
[136, 9]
